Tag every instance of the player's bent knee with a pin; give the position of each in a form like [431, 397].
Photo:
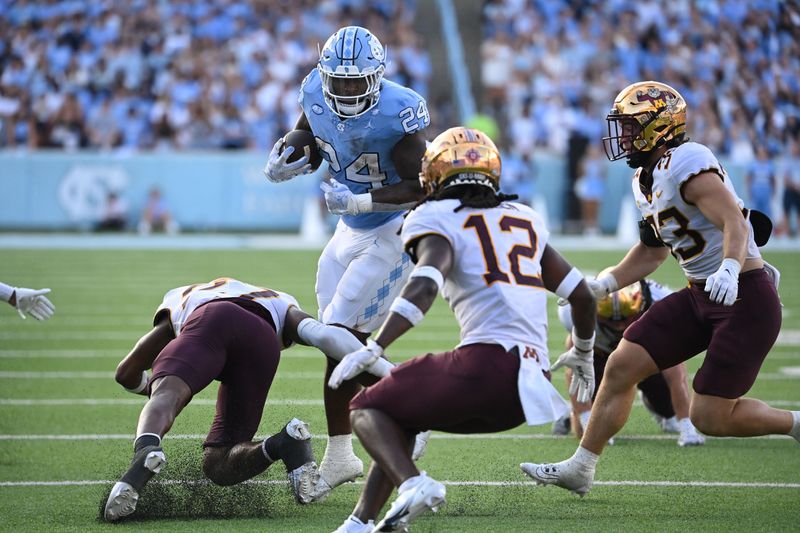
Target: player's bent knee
[215, 469]
[711, 418]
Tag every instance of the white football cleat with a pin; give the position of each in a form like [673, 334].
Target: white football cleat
[303, 481]
[354, 525]
[689, 435]
[670, 425]
[334, 473]
[420, 445]
[566, 474]
[415, 496]
[122, 500]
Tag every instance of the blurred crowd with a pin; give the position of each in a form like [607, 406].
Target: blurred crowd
[176, 74]
[551, 70]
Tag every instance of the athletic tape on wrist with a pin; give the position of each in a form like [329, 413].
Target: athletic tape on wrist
[429, 272]
[407, 310]
[583, 345]
[364, 202]
[568, 284]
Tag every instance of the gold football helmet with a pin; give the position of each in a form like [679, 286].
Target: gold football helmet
[644, 116]
[464, 151]
[623, 305]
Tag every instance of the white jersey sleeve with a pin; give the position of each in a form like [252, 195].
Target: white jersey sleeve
[181, 302]
[691, 159]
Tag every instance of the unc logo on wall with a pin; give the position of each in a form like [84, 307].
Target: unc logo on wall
[83, 190]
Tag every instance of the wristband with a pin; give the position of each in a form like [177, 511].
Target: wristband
[568, 284]
[610, 282]
[6, 291]
[583, 345]
[142, 385]
[363, 202]
[407, 310]
[731, 265]
[374, 347]
[429, 272]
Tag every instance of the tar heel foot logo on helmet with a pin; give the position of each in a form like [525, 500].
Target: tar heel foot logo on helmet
[645, 115]
[460, 156]
[351, 67]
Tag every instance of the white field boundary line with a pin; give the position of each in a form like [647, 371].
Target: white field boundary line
[206, 402]
[435, 436]
[499, 484]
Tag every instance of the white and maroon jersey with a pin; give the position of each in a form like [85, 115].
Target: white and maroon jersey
[181, 302]
[694, 241]
[495, 286]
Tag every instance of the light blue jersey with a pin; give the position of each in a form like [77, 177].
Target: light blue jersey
[359, 149]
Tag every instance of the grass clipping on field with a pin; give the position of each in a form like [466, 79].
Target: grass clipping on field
[182, 491]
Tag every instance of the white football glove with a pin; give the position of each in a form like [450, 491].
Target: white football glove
[34, 303]
[581, 361]
[341, 200]
[278, 170]
[602, 286]
[355, 363]
[723, 285]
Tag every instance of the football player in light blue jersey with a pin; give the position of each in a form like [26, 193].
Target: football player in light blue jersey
[368, 129]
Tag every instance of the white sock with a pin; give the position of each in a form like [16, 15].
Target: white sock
[795, 431]
[584, 418]
[339, 447]
[585, 458]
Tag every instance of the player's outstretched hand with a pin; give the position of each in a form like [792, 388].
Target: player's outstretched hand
[278, 169]
[355, 363]
[582, 365]
[339, 199]
[723, 285]
[33, 302]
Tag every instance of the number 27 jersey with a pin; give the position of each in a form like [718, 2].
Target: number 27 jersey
[359, 149]
[495, 286]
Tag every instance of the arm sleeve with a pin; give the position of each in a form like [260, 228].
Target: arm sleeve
[336, 342]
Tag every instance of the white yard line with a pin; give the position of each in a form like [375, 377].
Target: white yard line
[499, 484]
[436, 436]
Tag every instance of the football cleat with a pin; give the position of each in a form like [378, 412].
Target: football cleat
[415, 496]
[562, 426]
[566, 474]
[334, 473]
[125, 493]
[303, 481]
[420, 445]
[689, 435]
[354, 525]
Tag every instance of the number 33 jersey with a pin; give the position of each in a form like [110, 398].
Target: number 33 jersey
[359, 149]
[693, 239]
[495, 286]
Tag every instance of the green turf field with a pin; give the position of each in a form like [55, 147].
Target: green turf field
[65, 426]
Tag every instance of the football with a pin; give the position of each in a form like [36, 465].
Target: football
[303, 142]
